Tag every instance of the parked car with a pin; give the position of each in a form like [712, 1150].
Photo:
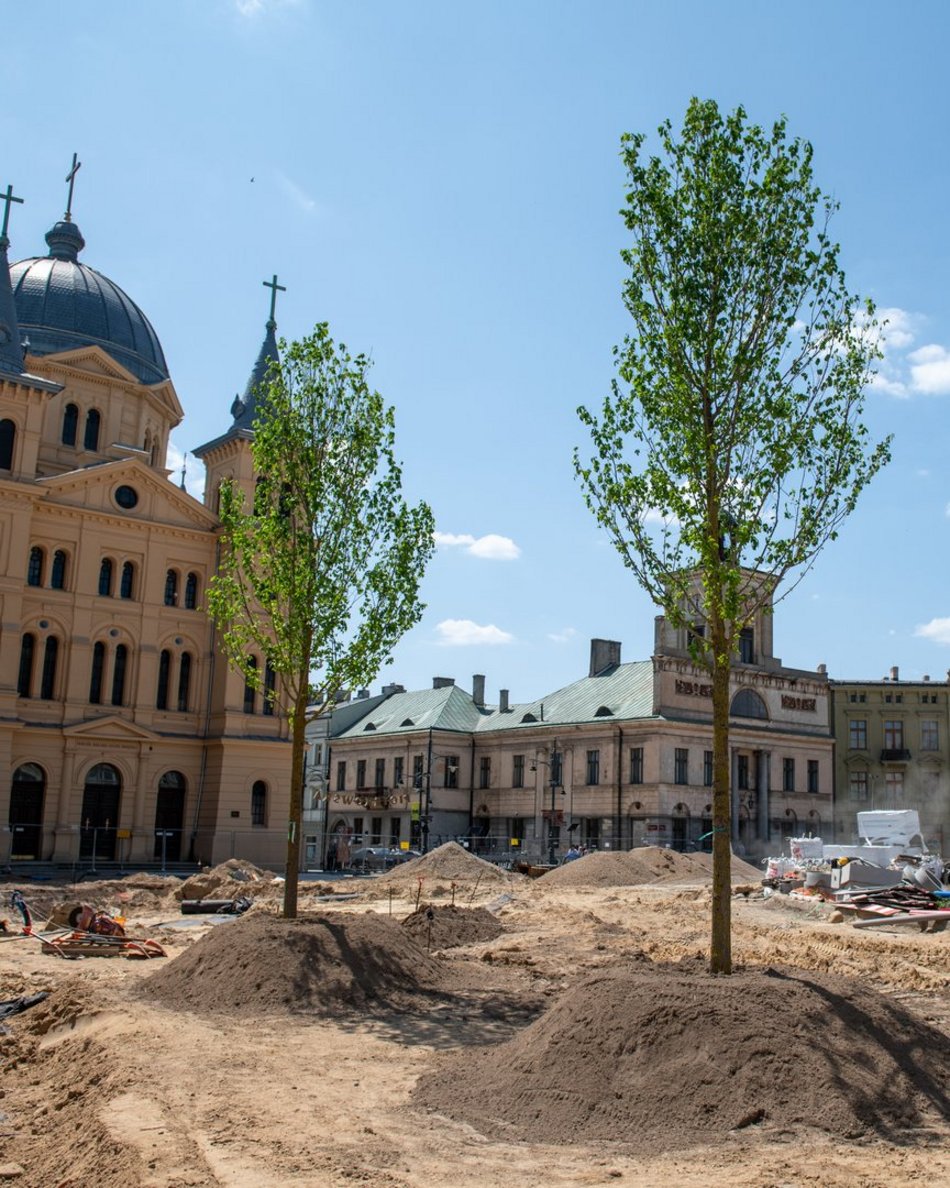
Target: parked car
[379, 858]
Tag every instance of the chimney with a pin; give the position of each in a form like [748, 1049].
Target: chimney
[362, 694]
[389, 690]
[343, 696]
[926, 676]
[894, 673]
[443, 682]
[478, 690]
[604, 654]
[503, 701]
[823, 669]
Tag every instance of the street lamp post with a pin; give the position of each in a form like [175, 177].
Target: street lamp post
[554, 769]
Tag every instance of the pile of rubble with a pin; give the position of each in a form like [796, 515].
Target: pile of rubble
[887, 878]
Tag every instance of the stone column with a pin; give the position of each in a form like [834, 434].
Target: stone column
[762, 780]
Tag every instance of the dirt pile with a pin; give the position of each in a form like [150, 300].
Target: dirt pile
[668, 1058]
[450, 863]
[647, 864]
[262, 964]
[447, 926]
[228, 880]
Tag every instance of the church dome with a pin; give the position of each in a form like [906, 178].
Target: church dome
[62, 304]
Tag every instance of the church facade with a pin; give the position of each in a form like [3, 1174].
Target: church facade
[124, 735]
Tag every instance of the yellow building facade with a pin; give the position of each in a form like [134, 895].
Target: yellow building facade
[124, 736]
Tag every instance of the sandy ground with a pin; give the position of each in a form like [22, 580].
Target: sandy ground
[104, 1089]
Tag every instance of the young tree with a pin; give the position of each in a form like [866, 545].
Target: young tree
[735, 421]
[321, 575]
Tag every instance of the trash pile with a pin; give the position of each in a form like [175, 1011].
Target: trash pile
[888, 876]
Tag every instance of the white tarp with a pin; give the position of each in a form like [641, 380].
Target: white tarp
[892, 827]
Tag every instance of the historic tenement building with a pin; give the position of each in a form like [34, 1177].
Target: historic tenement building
[893, 752]
[123, 733]
[621, 757]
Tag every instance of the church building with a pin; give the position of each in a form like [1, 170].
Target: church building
[124, 734]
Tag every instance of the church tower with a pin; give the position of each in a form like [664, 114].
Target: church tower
[229, 456]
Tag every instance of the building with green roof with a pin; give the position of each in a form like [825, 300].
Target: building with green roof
[618, 758]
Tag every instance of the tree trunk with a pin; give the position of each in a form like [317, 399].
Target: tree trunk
[295, 809]
[720, 952]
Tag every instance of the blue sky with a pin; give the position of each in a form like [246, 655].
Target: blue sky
[441, 182]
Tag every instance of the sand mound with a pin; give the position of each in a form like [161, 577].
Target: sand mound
[451, 863]
[265, 965]
[647, 864]
[227, 880]
[447, 926]
[667, 1058]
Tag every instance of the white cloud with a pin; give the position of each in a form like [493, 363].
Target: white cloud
[255, 8]
[297, 195]
[563, 636]
[194, 471]
[488, 548]
[930, 370]
[889, 386]
[937, 630]
[898, 327]
[463, 633]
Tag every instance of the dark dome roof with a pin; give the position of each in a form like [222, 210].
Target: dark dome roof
[62, 304]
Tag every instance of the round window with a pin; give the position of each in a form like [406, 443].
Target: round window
[126, 497]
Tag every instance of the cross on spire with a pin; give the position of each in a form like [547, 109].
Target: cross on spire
[7, 198]
[273, 286]
[71, 178]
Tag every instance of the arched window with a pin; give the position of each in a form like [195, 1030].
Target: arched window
[105, 577]
[184, 681]
[171, 587]
[127, 581]
[7, 442]
[270, 688]
[50, 656]
[191, 591]
[118, 674]
[57, 577]
[164, 667]
[24, 684]
[748, 704]
[70, 424]
[95, 678]
[34, 571]
[250, 693]
[259, 803]
[90, 438]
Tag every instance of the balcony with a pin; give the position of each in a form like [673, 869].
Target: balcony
[895, 755]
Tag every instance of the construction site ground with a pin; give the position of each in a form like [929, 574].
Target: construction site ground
[353, 1049]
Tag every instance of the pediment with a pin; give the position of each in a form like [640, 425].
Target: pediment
[93, 362]
[160, 501]
[114, 728]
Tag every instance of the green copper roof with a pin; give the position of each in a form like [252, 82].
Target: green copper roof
[620, 693]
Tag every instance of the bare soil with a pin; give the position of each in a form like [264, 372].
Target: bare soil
[581, 1044]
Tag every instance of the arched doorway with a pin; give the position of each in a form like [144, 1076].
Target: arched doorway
[100, 812]
[170, 815]
[27, 793]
